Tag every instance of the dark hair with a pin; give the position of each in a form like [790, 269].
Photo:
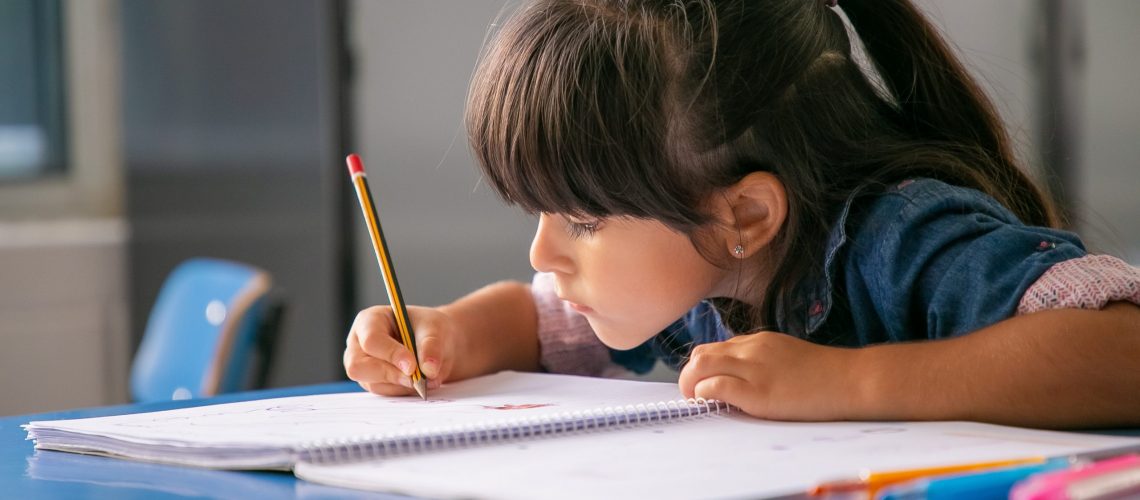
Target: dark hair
[644, 108]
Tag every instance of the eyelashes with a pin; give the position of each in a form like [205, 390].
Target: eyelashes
[582, 229]
[576, 228]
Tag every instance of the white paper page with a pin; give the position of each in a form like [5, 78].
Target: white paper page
[707, 457]
[288, 422]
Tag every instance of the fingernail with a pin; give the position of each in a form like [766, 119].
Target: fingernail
[405, 367]
[430, 367]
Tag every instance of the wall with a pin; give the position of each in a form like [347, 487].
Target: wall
[1108, 205]
[63, 305]
[232, 150]
[448, 233]
[1001, 43]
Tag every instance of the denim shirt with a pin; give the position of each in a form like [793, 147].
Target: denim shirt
[919, 260]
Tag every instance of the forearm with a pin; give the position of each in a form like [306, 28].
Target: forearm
[1059, 368]
[499, 325]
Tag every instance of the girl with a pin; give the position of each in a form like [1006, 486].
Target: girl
[808, 230]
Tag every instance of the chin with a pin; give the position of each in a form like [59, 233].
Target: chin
[618, 338]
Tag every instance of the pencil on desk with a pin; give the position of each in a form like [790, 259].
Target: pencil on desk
[871, 482]
[383, 257]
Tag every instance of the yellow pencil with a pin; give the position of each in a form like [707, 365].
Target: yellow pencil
[407, 336]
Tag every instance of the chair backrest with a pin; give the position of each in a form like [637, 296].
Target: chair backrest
[205, 331]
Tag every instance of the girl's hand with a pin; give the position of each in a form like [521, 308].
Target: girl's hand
[774, 376]
[376, 359]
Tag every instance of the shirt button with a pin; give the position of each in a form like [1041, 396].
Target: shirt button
[816, 308]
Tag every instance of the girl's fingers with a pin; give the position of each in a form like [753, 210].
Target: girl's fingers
[387, 389]
[382, 379]
[435, 363]
[375, 375]
[376, 359]
[705, 363]
[357, 365]
[724, 388]
[361, 367]
[375, 330]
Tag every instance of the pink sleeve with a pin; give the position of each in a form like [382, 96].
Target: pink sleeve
[1088, 282]
[566, 342]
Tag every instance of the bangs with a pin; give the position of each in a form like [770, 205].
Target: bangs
[565, 114]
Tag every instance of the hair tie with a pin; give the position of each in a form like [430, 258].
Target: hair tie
[831, 3]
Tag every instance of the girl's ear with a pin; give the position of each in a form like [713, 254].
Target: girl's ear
[755, 209]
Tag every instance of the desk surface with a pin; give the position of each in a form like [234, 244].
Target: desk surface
[24, 473]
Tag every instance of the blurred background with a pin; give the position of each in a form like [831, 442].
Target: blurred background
[135, 134]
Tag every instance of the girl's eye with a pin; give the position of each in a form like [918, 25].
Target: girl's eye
[580, 229]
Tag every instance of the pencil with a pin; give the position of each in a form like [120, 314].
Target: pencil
[872, 482]
[384, 258]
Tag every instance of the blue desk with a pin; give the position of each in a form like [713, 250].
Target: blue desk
[25, 473]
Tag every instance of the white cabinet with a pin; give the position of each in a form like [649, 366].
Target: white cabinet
[63, 331]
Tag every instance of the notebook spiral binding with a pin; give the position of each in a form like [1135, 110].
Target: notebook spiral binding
[400, 443]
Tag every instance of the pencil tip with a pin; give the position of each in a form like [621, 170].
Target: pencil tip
[421, 388]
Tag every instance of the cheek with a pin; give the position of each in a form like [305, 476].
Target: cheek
[649, 290]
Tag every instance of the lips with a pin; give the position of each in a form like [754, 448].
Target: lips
[576, 306]
[579, 307]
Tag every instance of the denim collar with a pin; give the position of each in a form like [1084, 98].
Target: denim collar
[811, 302]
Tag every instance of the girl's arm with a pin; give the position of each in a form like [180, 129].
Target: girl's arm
[1062, 368]
[499, 324]
[1056, 368]
[512, 326]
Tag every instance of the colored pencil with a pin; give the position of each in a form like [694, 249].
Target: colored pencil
[871, 482]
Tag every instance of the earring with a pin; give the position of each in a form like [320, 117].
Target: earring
[739, 251]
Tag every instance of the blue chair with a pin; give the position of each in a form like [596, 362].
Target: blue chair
[211, 331]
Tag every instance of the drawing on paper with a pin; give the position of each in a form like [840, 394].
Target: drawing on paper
[525, 406]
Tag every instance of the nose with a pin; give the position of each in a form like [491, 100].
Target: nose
[547, 250]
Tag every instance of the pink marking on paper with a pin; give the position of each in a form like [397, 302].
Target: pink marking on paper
[525, 406]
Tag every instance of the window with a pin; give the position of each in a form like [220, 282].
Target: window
[32, 142]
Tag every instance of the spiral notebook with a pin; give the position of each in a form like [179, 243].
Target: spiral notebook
[525, 435]
[334, 428]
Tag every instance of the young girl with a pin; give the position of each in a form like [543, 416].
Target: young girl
[805, 230]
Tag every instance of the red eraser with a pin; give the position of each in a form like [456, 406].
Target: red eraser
[355, 166]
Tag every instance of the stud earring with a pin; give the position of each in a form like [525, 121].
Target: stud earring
[739, 251]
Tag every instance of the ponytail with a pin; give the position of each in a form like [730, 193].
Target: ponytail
[938, 100]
